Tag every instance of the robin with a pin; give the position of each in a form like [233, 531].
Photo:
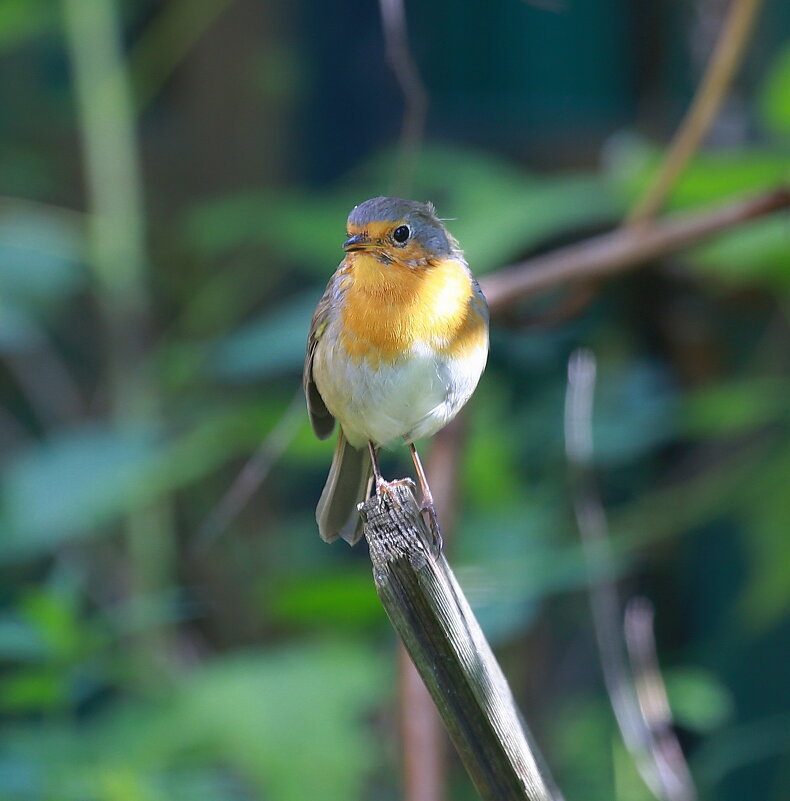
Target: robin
[396, 347]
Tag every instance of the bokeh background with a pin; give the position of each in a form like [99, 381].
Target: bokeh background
[174, 181]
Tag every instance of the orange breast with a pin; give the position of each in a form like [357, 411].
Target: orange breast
[388, 308]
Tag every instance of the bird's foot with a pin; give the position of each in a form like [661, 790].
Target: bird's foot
[384, 487]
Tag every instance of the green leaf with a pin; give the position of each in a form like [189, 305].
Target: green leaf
[582, 734]
[19, 640]
[345, 598]
[735, 407]
[270, 345]
[755, 253]
[257, 716]
[699, 701]
[256, 712]
[40, 257]
[18, 329]
[712, 176]
[77, 479]
[775, 96]
[498, 210]
[766, 596]
[297, 227]
[33, 690]
[21, 20]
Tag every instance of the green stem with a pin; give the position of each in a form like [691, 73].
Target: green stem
[118, 258]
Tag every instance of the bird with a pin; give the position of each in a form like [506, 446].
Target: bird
[396, 347]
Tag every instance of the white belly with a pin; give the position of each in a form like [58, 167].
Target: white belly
[407, 400]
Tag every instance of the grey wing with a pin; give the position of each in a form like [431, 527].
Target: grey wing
[320, 418]
[479, 300]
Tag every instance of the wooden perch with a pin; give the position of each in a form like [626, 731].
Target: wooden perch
[433, 618]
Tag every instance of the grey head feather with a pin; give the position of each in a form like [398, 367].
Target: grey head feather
[421, 218]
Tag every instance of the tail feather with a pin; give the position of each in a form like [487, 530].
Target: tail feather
[347, 485]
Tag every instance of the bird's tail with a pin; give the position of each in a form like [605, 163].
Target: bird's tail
[347, 485]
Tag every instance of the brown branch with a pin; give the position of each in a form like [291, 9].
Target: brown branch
[421, 735]
[623, 248]
[712, 90]
[415, 96]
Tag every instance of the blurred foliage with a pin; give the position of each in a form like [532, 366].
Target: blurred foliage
[260, 666]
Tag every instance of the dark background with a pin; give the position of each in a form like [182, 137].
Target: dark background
[161, 251]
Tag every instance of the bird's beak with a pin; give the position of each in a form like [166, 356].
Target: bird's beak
[358, 242]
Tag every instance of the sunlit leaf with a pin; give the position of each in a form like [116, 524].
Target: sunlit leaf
[758, 252]
[710, 178]
[39, 689]
[775, 96]
[340, 598]
[21, 20]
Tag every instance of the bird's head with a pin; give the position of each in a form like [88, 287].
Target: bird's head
[395, 230]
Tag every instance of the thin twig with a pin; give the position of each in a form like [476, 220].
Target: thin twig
[712, 90]
[624, 248]
[166, 41]
[652, 695]
[253, 474]
[415, 97]
[667, 778]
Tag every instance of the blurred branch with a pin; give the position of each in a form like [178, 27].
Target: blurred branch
[712, 90]
[117, 246]
[401, 60]
[421, 735]
[254, 472]
[647, 730]
[623, 248]
[166, 41]
[652, 696]
[431, 615]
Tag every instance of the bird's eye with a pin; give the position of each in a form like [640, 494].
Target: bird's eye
[401, 233]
